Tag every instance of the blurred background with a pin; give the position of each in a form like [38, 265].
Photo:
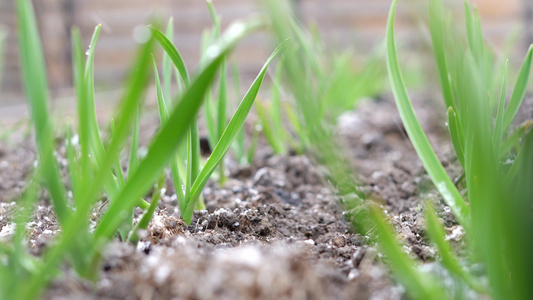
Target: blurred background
[358, 25]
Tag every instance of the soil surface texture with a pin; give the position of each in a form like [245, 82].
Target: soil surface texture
[274, 230]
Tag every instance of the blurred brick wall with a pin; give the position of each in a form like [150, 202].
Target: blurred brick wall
[342, 23]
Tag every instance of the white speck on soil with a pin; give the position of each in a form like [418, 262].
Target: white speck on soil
[7, 230]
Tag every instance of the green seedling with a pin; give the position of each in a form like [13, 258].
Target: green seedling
[271, 117]
[494, 158]
[322, 86]
[188, 199]
[94, 171]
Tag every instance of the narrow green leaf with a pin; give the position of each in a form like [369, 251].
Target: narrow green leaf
[235, 124]
[274, 139]
[163, 116]
[214, 18]
[456, 134]
[436, 19]
[172, 52]
[519, 91]
[221, 114]
[36, 89]
[417, 136]
[419, 286]
[498, 124]
[253, 145]
[75, 223]
[167, 66]
[438, 237]
[145, 219]
[134, 156]
[210, 121]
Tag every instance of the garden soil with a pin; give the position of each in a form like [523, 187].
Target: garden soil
[274, 230]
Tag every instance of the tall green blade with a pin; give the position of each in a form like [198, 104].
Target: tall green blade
[456, 134]
[437, 236]
[416, 134]
[36, 89]
[519, 91]
[167, 66]
[75, 223]
[436, 21]
[498, 124]
[172, 52]
[419, 286]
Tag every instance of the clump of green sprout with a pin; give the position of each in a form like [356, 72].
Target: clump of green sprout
[322, 86]
[94, 169]
[496, 158]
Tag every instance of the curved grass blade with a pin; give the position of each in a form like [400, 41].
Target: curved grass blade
[132, 96]
[418, 285]
[437, 235]
[498, 124]
[163, 116]
[172, 52]
[36, 89]
[456, 134]
[436, 20]
[519, 90]
[224, 143]
[145, 219]
[416, 134]
[221, 113]
[167, 66]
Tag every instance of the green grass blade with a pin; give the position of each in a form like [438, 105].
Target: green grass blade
[88, 105]
[253, 145]
[163, 116]
[224, 143]
[519, 91]
[210, 122]
[517, 224]
[436, 20]
[134, 155]
[473, 31]
[214, 18]
[419, 286]
[75, 224]
[172, 52]
[438, 237]
[161, 103]
[239, 147]
[418, 138]
[221, 113]
[498, 124]
[145, 219]
[167, 66]
[36, 88]
[274, 139]
[456, 134]
[78, 72]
